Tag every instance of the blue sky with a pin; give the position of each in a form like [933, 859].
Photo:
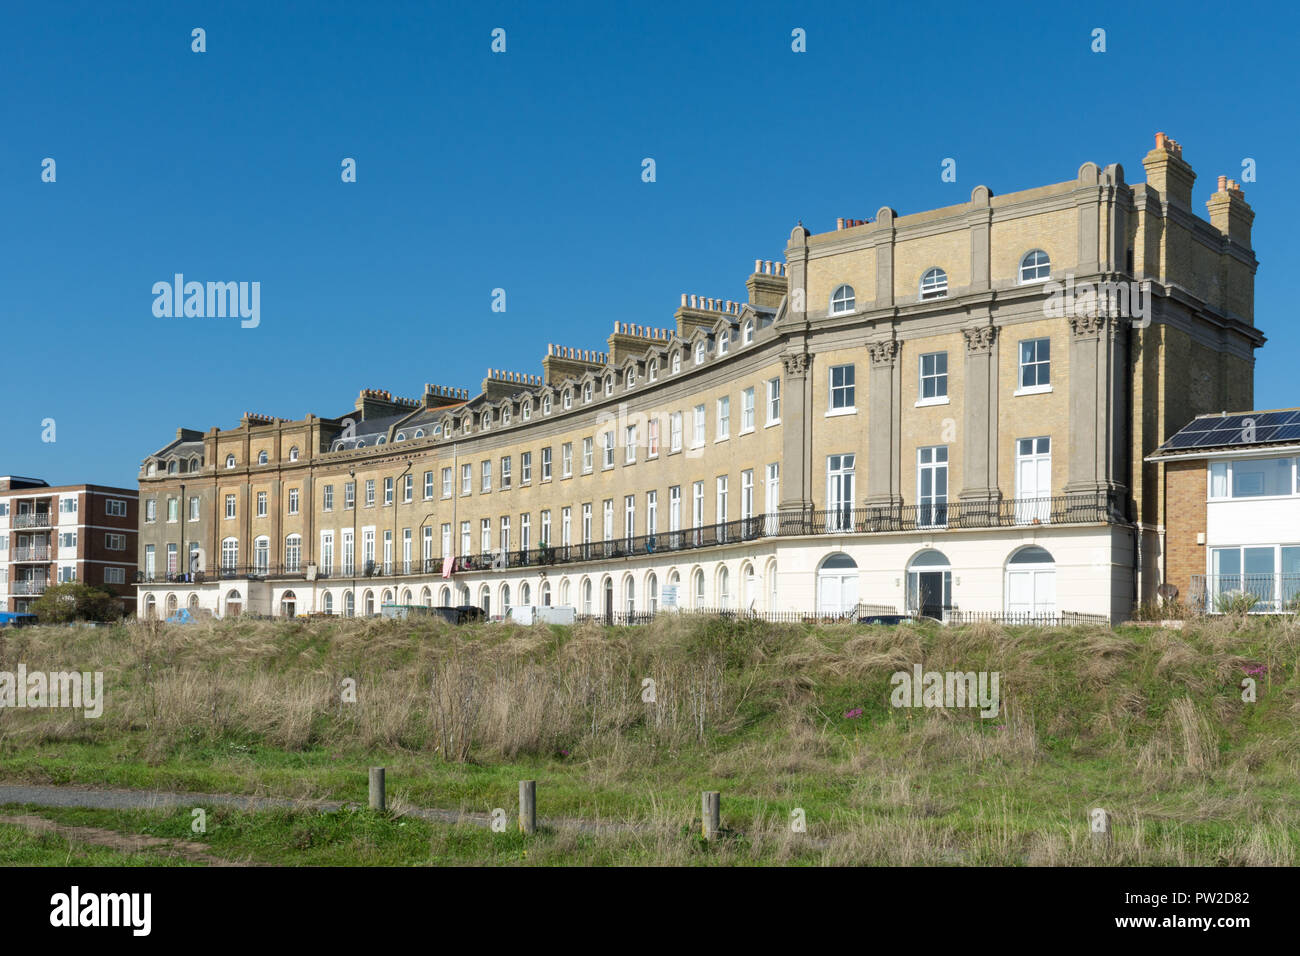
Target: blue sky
[522, 171]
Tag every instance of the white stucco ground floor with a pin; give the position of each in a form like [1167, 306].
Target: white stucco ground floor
[1038, 570]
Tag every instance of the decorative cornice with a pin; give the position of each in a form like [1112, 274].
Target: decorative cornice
[981, 338]
[883, 353]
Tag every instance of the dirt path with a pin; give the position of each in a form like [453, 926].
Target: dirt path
[125, 842]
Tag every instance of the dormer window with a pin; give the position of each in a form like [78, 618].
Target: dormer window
[152, 469]
[677, 361]
[586, 392]
[171, 467]
[843, 300]
[699, 352]
[486, 421]
[724, 342]
[629, 377]
[381, 440]
[400, 436]
[568, 398]
[505, 415]
[653, 372]
[293, 453]
[526, 410]
[261, 457]
[546, 404]
[419, 433]
[609, 385]
[194, 464]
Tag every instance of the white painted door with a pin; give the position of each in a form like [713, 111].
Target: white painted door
[1031, 591]
[836, 593]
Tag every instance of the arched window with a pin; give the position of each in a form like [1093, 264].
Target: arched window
[697, 588]
[387, 598]
[837, 585]
[546, 404]
[193, 604]
[677, 361]
[629, 377]
[525, 594]
[293, 453]
[629, 594]
[1035, 266]
[230, 461]
[699, 352]
[349, 604]
[505, 598]
[419, 433]
[172, 467]
[843, 300]
[586, 595]
[769, 575]
[724, 587]
[426, 597]
[568, 397]
[724, 341]
[747, 336]
[229, 554]
[288, 604]
[153, 467]
[748, 587]
[234, 604]
[150, 608]
[609, 384]
[194, 464]
[327, 603]
[486, 421]
[544, 593]
[261, 457]
[292, 553]
[485, 600]
[564, 591]
[652, 372]
[586, 392]
[262, 555]
[607, 605]
[505, 415]
[651, 593]
[368, 603]
[400, 436]
[1031, 583]
[526, 409]
[934, 284]
[171, 604]
[406, 596]
[444, 597]
[929, 584]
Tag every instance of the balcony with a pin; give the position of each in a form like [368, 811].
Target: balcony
[1100, 508]
[29, 587]
[31, 555]
[1245, 593]
[39, 520]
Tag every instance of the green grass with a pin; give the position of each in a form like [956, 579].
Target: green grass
[1146, 723]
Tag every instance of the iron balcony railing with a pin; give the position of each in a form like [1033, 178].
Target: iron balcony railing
[39, 520]
[1101, 507]
[1245, 593]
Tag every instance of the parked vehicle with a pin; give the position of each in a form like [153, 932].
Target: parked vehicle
[10, 619]
[544, 614]
[886, 619]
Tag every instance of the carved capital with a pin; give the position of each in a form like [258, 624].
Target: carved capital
[883, 353]
[1085, 326]
[796, 365]
[981, 338]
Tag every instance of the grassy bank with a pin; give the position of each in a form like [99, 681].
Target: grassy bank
[1149, 724]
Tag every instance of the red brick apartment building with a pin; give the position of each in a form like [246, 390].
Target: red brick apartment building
[49, 535]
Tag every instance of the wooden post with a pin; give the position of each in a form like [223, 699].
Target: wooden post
[711, 814]
[528, 806]
[377, 801]
[1099, 828]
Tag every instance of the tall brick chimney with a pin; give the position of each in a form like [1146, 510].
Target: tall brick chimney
[1167, 173]
[1229, 211]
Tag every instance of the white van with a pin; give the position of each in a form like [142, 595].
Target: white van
[546, 614]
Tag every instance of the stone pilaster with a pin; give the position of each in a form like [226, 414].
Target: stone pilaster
[1098, 405]
[979, 450]
[884, 402]
[796, 449]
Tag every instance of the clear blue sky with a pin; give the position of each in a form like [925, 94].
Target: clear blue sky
[523, 171]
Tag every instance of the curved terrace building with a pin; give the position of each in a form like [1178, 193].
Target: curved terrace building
[945, 412]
